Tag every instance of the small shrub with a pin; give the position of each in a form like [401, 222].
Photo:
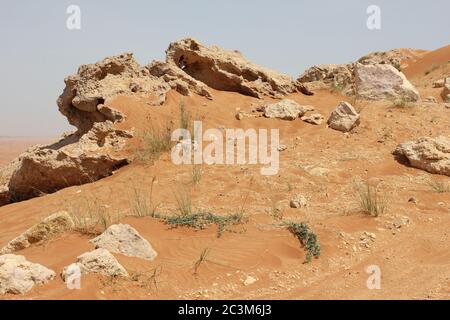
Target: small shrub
[90, 218]
[184, 201]
[369, 199]
[402, 103]
[200, 220]
[142, 205]
[307, 238]
[337, 87]
[153, 143]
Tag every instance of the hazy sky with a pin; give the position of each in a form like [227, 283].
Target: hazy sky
[38, 51]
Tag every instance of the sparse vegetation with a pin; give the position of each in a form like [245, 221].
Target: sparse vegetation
[196, 174]
[307, 238]
[146, 279]
[402, 103]
[142, 204]
[90, 218]
[201, 259]
[153, 143]
[200, 220]
[337, 87]
[369, 199]
[438, 186]
[185, 117]
[184, 201]
[276, 210]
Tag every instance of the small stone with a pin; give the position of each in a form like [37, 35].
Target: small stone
[344, 118]
[18, 276]
[282, 147]
[431, 99]
[250, 280]
[298, 201]
[315, 119]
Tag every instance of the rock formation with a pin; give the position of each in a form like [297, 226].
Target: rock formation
[315, 118]
[98, 261]
[72, 161]
[95, 84]
[446, 91]
[329, 76]
[18, 276]
[429, 154]
[52, 226]
[286, 110]
[383, 81]
[124, 239]
[94, 151]
[375, 76]
[223, 70]
[344, 118]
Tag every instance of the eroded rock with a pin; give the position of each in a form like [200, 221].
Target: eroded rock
[177, 79]
[286, 110]
[338, 77]
[5, 197]
[74, 160]
[446, 90]
[429, 154]
[315, 118]
[98, 261]
[228, 70]
[298, 201]
[383, 81]
[50, 227]
[124, 239]
[18, 276]
[344, 118]
[96, 84]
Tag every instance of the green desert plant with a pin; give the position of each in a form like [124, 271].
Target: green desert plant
[200, 220]
[369, 199]
[307, 238]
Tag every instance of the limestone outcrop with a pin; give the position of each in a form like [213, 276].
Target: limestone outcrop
[426, 153]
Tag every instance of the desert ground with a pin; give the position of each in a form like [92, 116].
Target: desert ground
[255, 256]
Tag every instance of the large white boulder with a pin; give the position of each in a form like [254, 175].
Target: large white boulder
[18, 276]
[124, 239]
[383, 81]
[286, 109]
[98, 261]
[429, 154]
[344, 118]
